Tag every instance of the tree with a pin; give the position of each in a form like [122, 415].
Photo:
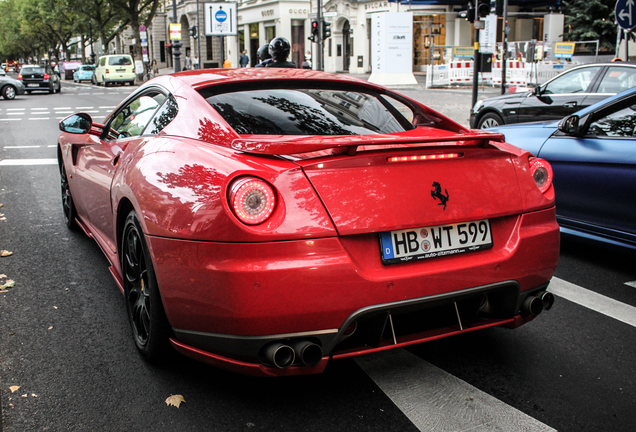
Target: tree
[139, 12]
[590, 20]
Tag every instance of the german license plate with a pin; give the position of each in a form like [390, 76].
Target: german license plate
[120, 70]
[33, 85]
[436, 241]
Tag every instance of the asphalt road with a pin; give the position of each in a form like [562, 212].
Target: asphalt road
[65, 339]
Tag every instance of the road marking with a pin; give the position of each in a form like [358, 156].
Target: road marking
[631, 284]
[16, 113]
[10, 119]
[435, 400]
[15, 109]
[62, 108]
[15, 162]
[38, 118]
[107, 107]
[84, 108]
[20, 147]
[592, 300]
[38, 109]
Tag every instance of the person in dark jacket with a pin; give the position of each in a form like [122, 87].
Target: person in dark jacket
[244, 60]
[279, 49]
[263, 56]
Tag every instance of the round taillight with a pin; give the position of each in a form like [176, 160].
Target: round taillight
[252, 200]
[541, 173]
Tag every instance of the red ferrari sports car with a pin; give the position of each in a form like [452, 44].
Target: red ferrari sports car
[269, 220]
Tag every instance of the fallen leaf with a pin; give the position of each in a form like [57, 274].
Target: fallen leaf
[8, 284]
[54, 307]
[14, 388]
[50, 327]
[3, 276]
[34, 395]
[3, 218]
[5, 253]
[175, 400]
[25, 395]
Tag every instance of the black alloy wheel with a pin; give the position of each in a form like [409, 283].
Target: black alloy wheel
[147, 317]
[67, 201]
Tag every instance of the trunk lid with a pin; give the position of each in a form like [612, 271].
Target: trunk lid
[369, 193]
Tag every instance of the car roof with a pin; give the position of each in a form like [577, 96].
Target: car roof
[206, 77]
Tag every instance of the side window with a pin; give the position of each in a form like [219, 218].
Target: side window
[163, 117]
[102, 61]
[133, 118]
[576, 81]
[617, 79]
[620, 122]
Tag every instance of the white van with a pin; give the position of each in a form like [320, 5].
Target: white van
[115, 68]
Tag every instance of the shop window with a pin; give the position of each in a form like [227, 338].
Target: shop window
[429, 38]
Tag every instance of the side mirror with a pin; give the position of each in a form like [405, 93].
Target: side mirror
[536, 91]
[570, 125]
[76, 123]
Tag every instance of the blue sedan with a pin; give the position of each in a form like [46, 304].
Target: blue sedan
[593, 158]
[84, 73]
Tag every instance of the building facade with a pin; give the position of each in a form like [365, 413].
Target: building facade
[438, 27]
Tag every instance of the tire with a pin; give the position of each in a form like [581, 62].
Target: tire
[59, 87]
[51, 90]
[8, 92]
[93, 80]
[490, 120]
[67, 201]
[28, 91]
[147, 317]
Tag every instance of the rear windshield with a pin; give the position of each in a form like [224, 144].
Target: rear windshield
[119, 60]
[33, 70]
[308, 112]
[88, 68]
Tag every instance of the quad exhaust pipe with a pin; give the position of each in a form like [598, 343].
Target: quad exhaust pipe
[535, 304]
[284, 355]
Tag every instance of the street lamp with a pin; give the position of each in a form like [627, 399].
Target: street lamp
[176, 44]
[90, 35]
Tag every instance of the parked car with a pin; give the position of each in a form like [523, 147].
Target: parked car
[593, 158]
[111, 69]
[36, 77]
[67, 69]
[10, 87]
[268, 220]
[84, 73]
[564, 94]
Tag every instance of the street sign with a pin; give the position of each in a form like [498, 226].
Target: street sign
[564, 50]
[626, 14]
[175, 31]
[142, 28]
[221, 19]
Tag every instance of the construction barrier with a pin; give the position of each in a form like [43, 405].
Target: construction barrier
[518, 73]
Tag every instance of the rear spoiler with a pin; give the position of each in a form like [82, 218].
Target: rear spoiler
[286, 145]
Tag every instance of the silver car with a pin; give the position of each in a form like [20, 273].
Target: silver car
[10, 87]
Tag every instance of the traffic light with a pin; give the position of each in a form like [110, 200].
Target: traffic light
[193, 31]
[314, 32]
[499, 8]
[483, 8]
[326, 31]
[469, 13]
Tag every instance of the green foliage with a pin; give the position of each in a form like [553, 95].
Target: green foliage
[587, 20]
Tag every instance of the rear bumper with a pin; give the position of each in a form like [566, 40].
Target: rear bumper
[126, 77]
[226, 301]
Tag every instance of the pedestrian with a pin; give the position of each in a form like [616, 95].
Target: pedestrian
[187, 64]
[155, 69]
[279, 49]
[306, 64]
[244, 60]
[196, 62]
[263, 56]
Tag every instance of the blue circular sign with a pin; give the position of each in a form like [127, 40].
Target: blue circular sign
[220, 16]
[626, 14]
